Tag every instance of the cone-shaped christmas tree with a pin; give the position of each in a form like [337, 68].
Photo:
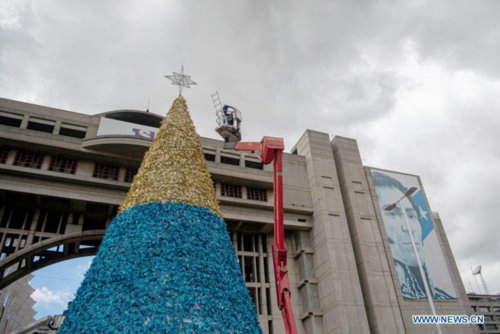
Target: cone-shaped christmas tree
[166, 263]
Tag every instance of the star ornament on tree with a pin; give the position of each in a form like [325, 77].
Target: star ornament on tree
[181, 80]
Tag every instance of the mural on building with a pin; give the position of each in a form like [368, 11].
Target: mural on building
[390, 187]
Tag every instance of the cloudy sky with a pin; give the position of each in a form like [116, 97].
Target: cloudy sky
[415, 82]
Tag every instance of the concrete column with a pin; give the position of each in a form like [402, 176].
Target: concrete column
[262, 278]
[2, 243]
[242, 160]
[11, 157]
[339, 288]
[24, 122]
[379, 297]
[32, 229]
[121, 173]
[217, 155]
[57, 128]
[108, 220]
[46, 162]
[244, 193]
[2, 210]
[308, 284]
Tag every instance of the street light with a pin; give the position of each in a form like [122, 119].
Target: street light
[391, 207]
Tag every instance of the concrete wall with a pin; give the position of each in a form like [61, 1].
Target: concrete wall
[387, 310]
[339, 288]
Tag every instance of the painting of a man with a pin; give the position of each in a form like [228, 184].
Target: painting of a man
[389, 190]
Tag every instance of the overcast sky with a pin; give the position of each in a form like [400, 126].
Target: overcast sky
[415, 82]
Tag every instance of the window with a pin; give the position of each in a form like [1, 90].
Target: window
[63, 165]
[255, 194]
[254, 164]
[29, 159]
[129, 174]
[229, 161]
[74, 131]
[484, 309]
[229, 190]
[209, 157]
[252, 256]
[42, 125]
[489, 318]
[4, 154]
[9, 121]
[108, 172]
[491, 327]
[496, 309]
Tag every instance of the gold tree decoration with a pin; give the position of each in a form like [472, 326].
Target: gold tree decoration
[174, 169]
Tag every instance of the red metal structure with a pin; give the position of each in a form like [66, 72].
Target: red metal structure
[271, 149]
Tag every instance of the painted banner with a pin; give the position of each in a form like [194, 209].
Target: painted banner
[390, 187]
[109, 126]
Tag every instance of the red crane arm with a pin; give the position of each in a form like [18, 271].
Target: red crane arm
[271, 149]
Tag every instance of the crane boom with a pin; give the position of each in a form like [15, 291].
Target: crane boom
[271, 150]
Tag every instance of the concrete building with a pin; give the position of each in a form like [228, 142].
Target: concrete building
[489, 307]
[16, 308]
[63, 175]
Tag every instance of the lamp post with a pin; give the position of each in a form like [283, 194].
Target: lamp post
[391, 207]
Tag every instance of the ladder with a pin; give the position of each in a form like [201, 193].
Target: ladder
[218, 108]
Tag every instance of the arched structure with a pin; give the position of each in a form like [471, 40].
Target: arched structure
[51, 251]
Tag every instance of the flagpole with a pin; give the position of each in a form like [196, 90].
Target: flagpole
[430, 297]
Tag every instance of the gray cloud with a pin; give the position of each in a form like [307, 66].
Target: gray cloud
[416, 82]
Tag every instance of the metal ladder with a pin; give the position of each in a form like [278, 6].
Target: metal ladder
[218, 108]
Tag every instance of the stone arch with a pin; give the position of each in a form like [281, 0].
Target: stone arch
[47, 252]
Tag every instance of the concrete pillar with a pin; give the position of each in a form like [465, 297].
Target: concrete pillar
[308, 284]
[2, 211]
[339, 288]
[46, 162]
[11, 157]
[262, 278]
[121, 173]
[242, 160]
[217, 155]
[24, 122]
[57, 128]
[379, 297]
[32, 229]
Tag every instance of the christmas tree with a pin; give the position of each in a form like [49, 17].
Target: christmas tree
[166, 263]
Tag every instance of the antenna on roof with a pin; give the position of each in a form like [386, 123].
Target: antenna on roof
[149, 100]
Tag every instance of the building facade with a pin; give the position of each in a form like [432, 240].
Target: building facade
[16, 309]
[489, 307]
[64, 174]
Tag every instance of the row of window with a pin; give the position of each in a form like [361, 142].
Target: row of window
[108, 172]
[69, 130]
[491, 318]
[235, 191]
[234, 161]
[488, 327]
[485, 309]
[64, 165]
[43, 125]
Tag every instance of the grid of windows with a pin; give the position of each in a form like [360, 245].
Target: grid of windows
[230, 190]
[256, 194]
[4, 154]
[251, 250]
[129, 174]
[29, 159]
[108, 172]
[63, 165]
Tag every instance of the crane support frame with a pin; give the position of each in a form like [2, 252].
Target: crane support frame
[270, 149]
